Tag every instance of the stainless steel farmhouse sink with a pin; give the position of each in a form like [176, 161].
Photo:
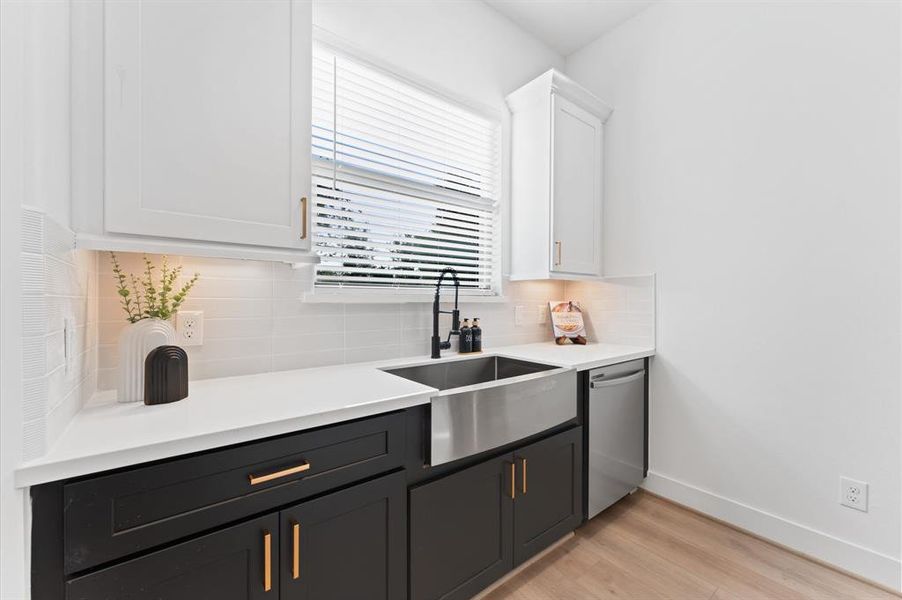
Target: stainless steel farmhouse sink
[487, 402]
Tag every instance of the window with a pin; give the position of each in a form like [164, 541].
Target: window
[405, 182]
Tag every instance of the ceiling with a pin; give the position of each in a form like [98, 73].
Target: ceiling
[568, 25]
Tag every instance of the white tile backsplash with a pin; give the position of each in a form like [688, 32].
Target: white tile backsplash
[60, 286]
[255, 321]
[618, 310]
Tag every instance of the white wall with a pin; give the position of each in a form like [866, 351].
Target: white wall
[752, 162]
[12, 513]
[36, 258]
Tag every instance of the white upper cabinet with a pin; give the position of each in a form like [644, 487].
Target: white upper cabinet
[556, 180]
[206, 125]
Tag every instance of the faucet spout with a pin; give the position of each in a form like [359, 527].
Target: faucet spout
[437, 344]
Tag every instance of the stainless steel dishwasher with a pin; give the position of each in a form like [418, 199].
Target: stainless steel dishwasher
[616, 433]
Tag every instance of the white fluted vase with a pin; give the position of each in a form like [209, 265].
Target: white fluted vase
[135, 343]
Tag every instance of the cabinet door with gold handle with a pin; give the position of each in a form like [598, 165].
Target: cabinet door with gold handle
[263, 478]
[347, 544]
[267, 561]
[549, 492]
[295, 550]
[523, 474]
[304, 217]
[240, 561]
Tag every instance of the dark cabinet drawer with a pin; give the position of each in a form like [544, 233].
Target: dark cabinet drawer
[236, 563]
[115, 515]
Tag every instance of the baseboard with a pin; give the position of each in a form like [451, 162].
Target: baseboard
[857, 560]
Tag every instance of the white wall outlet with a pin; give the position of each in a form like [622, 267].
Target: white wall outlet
[519, 314]
[189, 325]
[854, 494]
[542, 310]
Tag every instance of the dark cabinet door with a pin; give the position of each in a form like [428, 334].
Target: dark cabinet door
[549, 492]
[235, 563]
[348, 545]
[461, 531]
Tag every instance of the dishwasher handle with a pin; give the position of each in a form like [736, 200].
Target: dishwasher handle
[618, 380]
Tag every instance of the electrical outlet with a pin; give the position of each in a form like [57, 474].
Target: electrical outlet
[542, 310]
[854, 494]
[519, 314]
[189, 325]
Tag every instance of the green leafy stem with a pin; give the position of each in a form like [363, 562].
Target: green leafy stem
[144, 297]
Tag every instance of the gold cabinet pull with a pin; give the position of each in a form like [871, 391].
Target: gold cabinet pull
[513, 480]
[524, 474]
[304, 218]
[296, 550]
[267, 561]
[255, 479]
[557, 247]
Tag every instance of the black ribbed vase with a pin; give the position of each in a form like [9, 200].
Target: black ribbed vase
[165, 375]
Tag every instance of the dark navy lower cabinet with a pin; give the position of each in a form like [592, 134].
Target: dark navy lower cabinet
[348, 545]
[460, 531]
[469, 528]
[230, 564]
[549, 495]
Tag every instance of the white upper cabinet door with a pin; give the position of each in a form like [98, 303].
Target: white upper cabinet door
[207, 116]
[576, 189]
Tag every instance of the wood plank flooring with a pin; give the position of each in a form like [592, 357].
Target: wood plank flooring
[645, 548]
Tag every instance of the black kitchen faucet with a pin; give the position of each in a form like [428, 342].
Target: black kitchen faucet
[437, 344]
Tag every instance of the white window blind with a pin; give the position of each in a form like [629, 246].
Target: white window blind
[405, 182]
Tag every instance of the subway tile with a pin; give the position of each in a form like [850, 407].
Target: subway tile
[34, 398]
[306, 360]
[32, 231]
[354, 339]
[34, 438]
[228, 288]
[216, 329]
[230, 349]
[245, 365]
[333, 324]
[297, 344]
[371, 353]
[230, 307]
[387, 321]
[34, 357]
[32, 274]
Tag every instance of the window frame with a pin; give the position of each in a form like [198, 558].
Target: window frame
[377, 294]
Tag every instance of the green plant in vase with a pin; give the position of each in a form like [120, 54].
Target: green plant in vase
[149, 303]
[141, 298]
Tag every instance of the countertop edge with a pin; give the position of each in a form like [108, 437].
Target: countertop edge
[43, 471]
[79, 466]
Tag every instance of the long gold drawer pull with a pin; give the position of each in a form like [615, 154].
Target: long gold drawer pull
[513, 480]
[524, 474]
[296, 554]
[255, 479]
[304, 218]
[267, 562]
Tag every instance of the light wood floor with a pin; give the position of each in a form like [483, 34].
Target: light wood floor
[645, 548]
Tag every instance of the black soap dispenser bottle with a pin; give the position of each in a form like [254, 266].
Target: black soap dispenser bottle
[476, 333]
[466, 338]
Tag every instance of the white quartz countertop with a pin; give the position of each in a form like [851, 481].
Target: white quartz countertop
[218, 412]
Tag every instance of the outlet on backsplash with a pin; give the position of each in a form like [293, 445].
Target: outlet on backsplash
[189, 325]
